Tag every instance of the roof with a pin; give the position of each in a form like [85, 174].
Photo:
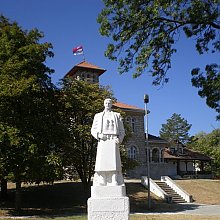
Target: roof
[125, 107]
[187, 155]
[85, 65]
[153, 138]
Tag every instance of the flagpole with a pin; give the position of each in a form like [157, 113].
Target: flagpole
[79, 51]
[83, 56]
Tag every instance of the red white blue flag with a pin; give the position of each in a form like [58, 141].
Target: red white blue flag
[78, 50]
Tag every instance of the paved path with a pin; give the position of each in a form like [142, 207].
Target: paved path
[187, 209]
[201, 209]
[191, 209]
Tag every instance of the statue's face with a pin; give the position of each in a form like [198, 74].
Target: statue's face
[108, 104]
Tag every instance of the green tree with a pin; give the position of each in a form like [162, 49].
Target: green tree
[81, 102]
[176, 129]
[144, 35]
[209, 85]
[14, 156]
[208, 144]
[30, 128]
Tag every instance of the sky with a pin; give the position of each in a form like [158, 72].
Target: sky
[70, 23]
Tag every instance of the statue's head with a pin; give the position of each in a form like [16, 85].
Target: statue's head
[108, 104]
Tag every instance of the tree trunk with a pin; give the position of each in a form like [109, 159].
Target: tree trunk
[18, 197]
[4, 190]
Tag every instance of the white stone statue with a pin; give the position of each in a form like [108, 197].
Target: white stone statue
[108, 129]
[108, 194]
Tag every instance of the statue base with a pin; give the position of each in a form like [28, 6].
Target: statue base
[108, 202]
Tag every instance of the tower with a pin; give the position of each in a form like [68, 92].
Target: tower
[86, 71]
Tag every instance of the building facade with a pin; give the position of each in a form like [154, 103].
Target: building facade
[164, 159]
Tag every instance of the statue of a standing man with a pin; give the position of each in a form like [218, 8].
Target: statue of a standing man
[108, 129]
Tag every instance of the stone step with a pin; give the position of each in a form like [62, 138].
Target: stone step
[176, 198]
[178, 201]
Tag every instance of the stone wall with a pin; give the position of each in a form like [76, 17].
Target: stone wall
[137, 138]
[162, 169]
[156, 170]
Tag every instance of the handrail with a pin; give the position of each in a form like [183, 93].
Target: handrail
[154, 188]
[187, 197]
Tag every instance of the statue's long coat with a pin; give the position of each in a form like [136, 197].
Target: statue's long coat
[108, 154]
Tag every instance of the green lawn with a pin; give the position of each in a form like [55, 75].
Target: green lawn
[69, 198]
[135, 217]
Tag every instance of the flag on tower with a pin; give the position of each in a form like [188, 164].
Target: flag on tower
[78, 50]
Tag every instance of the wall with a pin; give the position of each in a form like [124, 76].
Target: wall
[156, 170]
[137, 139]
[159, 169]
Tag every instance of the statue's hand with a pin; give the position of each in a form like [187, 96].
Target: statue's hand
[102, 137]
[117, 141]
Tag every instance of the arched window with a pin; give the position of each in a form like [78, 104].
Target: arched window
[128, 120]
[155, 155]
[132, 152]
[133, 124]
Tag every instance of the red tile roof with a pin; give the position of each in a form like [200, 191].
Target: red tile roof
[85, 65]
[89, 65]
[126, 106]
[187, 155]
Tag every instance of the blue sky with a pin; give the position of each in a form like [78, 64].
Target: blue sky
[70, 23]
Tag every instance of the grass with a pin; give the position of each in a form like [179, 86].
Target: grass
[135, 217]
[173, 217]
[204, 191]
[66, 199]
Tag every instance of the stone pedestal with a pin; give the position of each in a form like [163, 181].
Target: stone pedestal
[108, 203]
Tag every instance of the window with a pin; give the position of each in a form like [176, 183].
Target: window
[173, 150]
[128, 119]
[155, 155]
[133, 124]
[180, 150]
[95, 78]
[132, 152]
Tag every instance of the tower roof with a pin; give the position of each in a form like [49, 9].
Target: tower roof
[85, 65]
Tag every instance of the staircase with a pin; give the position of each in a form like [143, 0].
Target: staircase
[176, 198]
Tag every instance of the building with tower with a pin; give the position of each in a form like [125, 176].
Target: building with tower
[165, 159]
[86, 72]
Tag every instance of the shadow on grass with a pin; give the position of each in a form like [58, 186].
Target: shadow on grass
[57, 199]
[172, 208]
[70, 198]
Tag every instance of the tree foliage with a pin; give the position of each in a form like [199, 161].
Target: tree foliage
[144, 35]
[176, 129]
[29, 111]
[209, 85]
[208, 144]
